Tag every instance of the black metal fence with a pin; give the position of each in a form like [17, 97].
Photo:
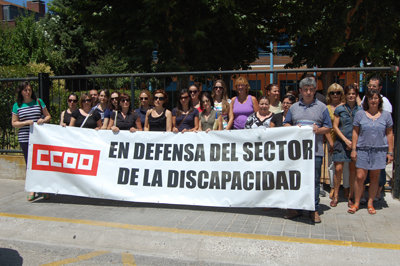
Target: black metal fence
[54, 90]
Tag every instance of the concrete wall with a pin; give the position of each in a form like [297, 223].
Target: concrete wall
[12, 167]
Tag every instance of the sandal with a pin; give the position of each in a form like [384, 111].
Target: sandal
[334, 202]
[31, 197]
[353, 209]
[350, 203]
[371, 209]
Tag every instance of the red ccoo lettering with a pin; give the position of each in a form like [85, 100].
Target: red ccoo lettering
[65, 159]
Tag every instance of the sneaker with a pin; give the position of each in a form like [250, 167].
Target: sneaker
[315, 217]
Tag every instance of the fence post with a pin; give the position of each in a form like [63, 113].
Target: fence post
[44, 88]
[132, 87]
[396, 173]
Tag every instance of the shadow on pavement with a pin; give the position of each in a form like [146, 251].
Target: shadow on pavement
[66, 199]
[10, 257]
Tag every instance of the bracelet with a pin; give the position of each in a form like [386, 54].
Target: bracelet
[390, 153]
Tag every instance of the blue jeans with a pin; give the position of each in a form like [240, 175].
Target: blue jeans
[318, 164]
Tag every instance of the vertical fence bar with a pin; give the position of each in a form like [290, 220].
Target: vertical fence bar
[396, 173]
[44, 88]
[132, 87]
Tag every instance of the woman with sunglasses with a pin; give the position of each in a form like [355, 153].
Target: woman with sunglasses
[194, 92]
[277, 119]
[334, 98]
[210, 119]
[86, 116]
[184, 116]
[124, 118]
[222, 102]
[158, 118]
[372, 146]
[113, 105]
[343, 126]
[144, 106]
[243, 105]
[27, 110]
[72, 106]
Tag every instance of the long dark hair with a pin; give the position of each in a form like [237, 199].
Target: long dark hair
[179, 107]
[208, 96]
[124, 96]
[21, 86]
[111, 106]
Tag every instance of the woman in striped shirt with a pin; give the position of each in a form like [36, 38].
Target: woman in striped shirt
[27, 110]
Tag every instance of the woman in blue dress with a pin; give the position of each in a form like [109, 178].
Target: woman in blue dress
[343, 127]
[372, 146]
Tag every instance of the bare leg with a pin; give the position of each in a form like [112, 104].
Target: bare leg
[361, 174]
[337, 179]
[352, 176]
[373, 186]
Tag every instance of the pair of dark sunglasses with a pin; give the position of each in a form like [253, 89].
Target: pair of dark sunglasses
[72, 101]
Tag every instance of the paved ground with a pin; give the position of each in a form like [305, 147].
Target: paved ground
[165, 228]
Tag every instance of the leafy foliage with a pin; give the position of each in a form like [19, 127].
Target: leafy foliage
[339, 33]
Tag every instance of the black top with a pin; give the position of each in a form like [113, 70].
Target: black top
[158, 123]
[67, 117]
[91, 122]
[277, 119]
[127, 122]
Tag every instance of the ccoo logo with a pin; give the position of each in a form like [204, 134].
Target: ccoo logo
[65, 160]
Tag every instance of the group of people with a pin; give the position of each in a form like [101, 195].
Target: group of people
[359, 132]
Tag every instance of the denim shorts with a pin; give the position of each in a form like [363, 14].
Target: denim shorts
[340, 153]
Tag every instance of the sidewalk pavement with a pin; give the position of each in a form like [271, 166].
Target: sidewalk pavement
[337, 224]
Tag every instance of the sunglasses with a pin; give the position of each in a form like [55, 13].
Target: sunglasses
[87, 101]
[193, 92]
[124, 101]
[335, 93]
[159, 98]
[184, 97]
[143, 98]
[218, 87]
[114, 99]
[72, 101]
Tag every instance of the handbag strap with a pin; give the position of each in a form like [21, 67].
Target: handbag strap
[115, 119]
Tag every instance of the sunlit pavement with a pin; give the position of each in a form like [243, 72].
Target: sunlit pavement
[113, 232]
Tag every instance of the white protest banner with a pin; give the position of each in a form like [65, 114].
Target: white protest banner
[241, 168]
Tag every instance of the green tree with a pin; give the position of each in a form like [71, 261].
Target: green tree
[188, 35]
[23, 44]
[338, 33]
[73, 46]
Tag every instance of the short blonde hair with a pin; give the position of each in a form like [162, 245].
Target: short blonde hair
[335, 87]
[242, 81]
